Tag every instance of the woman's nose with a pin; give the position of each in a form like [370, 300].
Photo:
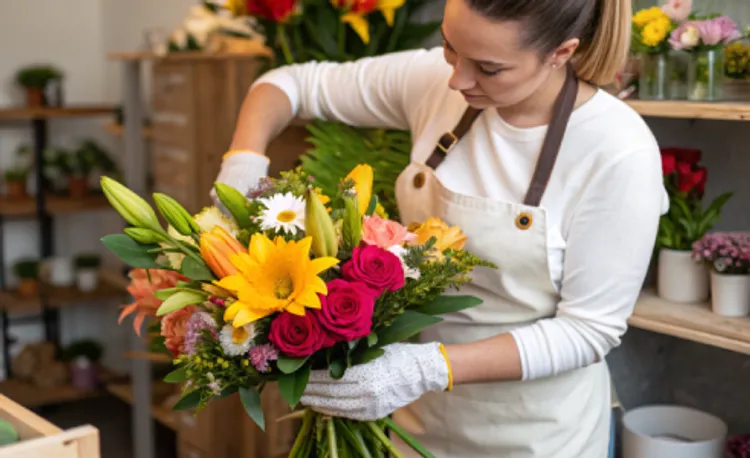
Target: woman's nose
[462, 78]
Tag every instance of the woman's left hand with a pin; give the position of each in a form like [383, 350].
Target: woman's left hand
[374, 390]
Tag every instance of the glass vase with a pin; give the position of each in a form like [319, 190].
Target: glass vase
[706, 75]
[654, 76]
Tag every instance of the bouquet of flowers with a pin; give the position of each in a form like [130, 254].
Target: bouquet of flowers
[687, 221]
[295, 280]
[704, 34]
[727, 253]
[650, 31]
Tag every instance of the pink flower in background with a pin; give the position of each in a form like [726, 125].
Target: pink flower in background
[261, 356]
[720, 30]
[685, 37]
[384, 233]
[174, 327]
[142, 289]
[678, 10]
[199, 322]
[726, 252]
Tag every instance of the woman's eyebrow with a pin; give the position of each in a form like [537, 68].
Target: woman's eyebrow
[480, 62]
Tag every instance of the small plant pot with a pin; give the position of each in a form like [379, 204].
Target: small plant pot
[680, 278]
[730, 294]
[16, 189]
[87, 280]
[34, 97]
[28, 287]
[78, 187]
[84, 375]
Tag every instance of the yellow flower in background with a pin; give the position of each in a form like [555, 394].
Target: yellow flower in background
[357, 10]
[656, 31]
[275, 276]
[643, 17]
[445, 236]
[363, 176]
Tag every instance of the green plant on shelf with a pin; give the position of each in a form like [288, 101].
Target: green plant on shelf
[16, 174]
[87, 261]
[38, 76]
[26, 268]
[83, 348]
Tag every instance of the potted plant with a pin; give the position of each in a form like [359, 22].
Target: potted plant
[679, 277]
[77, 165]
[34, 80]
[15, 182]
[27, 271]
[737, 71]
[87, 271]
[83, 358]
[728, 256]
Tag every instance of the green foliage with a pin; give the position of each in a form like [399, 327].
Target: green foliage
[16, 174]
[687, 221]
[89, 156]
[338, 148]
[131, 252]
[88, 261]
[26, 268]
[87, 348]
[37, 76]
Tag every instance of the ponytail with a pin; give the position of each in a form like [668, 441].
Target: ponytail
[606, 53]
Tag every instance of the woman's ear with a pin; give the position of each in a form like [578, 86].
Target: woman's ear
[563, 53]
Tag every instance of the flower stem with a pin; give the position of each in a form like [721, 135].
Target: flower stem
[333, 447]
[375, 429]
[284, 43]
[307, 422]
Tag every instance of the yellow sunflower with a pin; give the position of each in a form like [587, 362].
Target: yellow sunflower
[275, 276]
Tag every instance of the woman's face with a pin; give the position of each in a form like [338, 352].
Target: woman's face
[490, 68]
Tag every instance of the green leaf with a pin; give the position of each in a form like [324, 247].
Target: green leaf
[164, 294]
[406, 325]
[131, 252]
[449, 304]
[291, 386]
[189, 401]
[180, 300]
[373, 205]
[290, 365]
[372, 339]
[8, 434]
[195, 270]
[176, 376]
[251, 402]
[337, 368]
[369, 355]
[228, 391]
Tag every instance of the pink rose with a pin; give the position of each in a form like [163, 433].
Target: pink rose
[678, 10]
[346, 311]
[174, 327]
[384, 232]
[297, 336]
[378, 268]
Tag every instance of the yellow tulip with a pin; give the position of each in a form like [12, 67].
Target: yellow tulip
[362, 176]
[217, 248]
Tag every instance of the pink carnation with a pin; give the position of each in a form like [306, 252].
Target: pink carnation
[262, 355]
[384, 233]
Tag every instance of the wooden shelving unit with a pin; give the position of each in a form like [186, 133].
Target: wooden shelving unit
[727, 111]
[163, 415]
[55, 205]
[73, 111]
[694, 322]
[117, 130]
[31, 396]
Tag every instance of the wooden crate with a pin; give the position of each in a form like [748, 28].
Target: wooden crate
[40, 438]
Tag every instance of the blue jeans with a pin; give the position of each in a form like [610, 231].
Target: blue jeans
[612, 437]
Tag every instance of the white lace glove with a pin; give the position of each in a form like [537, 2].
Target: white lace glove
[242, 172]
[376, 389]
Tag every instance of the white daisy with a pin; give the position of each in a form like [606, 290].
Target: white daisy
[236, 342]
[284, 212]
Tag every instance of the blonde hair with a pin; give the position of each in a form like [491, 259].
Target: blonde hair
[599, 60]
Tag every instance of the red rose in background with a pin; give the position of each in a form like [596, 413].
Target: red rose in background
[701, 175]
[346, 311]
[379, 269]
[689, 155]
[272, 10]
[356, 6]
[668, 164]
[687, 179]
[295, 335]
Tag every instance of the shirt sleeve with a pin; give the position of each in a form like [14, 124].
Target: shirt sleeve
[609, 246]
[381, 91]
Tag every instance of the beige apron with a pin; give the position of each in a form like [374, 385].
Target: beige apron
[564, 416]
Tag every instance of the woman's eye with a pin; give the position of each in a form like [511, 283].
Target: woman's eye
[489, 72]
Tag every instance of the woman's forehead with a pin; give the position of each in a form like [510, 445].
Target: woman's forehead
[477, 37]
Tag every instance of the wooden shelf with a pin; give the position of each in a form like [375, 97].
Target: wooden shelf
[730, 111]
[56, 205]
[260, 51]
[147, 355]
[694, 322]
[116, 130]
[162, 414]
[62, 296]
[72, 111]
[31, 396]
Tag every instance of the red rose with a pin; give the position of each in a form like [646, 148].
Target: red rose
[346, 311]
[356, 6]
[689, 155]
[272, 10]
[701, 174]
[668, 164]
[295, 335]
[379, 269]
[687, 179]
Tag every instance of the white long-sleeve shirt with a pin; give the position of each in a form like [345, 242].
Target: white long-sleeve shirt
[603, 200]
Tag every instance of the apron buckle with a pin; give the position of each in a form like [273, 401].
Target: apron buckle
[524, 221]
[447, 142]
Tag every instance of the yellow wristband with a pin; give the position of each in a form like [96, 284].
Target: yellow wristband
[240, 151]
[448, 363]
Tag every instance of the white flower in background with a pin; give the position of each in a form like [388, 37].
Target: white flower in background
[211, 217]
[236, 342]
[284, 212]
[179, 37]
[400, 251]
[213, 384]
[690, 37]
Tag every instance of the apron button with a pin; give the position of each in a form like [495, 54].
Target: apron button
[524, 221]
[419, 180]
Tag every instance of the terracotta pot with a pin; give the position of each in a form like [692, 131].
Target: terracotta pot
[34, 97]
[16, 189]
[78, 187]
[28, 287]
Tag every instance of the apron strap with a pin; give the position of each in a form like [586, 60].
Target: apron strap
[451, 139]
[553, 139]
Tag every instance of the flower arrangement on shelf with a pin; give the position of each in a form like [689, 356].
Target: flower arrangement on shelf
[728, 255]
[679, 278]
[737, 60]
[650, 31]
[295, 280]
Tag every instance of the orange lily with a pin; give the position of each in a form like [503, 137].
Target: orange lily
[356, 10]
[217, 246]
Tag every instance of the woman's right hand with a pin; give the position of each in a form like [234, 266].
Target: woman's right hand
[241, 170]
